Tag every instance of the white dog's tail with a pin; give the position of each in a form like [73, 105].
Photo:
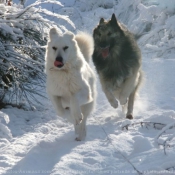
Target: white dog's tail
[86, 44]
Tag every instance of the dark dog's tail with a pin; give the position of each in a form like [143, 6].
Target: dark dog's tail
[86, 44]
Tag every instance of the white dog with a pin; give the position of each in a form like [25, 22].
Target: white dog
[70, 81]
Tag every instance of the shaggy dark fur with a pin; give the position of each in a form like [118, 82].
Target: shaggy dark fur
[124, 53]
[117, 59]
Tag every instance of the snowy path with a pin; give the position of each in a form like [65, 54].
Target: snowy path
[41, 143]
[37, 143]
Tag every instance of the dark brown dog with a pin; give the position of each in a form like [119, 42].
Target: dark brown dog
[117, 59]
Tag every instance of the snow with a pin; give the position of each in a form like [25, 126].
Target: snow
[39, 142]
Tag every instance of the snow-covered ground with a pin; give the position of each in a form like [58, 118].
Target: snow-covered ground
[39, 142]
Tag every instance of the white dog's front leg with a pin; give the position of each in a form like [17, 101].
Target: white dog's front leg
[56, 101]
[80, 130]
[75, 109]
[84, 96]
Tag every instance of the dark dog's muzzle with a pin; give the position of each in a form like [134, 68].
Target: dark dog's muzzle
[105, 51]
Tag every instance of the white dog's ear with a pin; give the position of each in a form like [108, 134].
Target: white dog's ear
[52, 33]
[69, 35]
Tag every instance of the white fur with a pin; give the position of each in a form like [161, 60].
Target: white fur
[71, 88]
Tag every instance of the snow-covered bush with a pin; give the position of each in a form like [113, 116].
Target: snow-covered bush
[22, 33]
[152, 22]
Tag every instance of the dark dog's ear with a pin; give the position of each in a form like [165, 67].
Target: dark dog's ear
[114, 22]
[113, 19]
[102, 21]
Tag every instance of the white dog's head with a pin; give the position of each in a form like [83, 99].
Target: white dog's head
[61, 50]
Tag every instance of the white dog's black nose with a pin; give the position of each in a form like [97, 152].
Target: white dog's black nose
[60, 59]
[59, 62]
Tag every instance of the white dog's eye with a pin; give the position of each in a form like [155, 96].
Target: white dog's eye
[54, 48]
[65, 48]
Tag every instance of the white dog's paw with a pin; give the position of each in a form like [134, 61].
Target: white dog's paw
[114, 103]
[77, 139]
[81, 136]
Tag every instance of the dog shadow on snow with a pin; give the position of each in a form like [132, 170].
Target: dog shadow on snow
[47, 154]
[42, 158]
[22, 122]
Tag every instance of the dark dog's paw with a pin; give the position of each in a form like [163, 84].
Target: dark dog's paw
[129, 116]
[114, 103]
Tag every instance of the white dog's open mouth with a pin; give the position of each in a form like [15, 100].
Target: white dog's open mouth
[58, 64]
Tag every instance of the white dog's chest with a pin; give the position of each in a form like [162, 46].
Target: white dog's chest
[61, 84]
[56, 89]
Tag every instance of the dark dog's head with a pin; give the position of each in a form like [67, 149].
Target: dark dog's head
[106, 35]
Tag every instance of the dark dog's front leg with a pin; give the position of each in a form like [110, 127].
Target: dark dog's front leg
[111, 98]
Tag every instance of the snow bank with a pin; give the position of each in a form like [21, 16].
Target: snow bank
[4, 130]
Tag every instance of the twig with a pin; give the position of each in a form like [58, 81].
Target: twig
[147, 123]
[165, 144]
[35, 4]
[169, 138]
[170, 168]
[19, 45]
[124, 157]
[170, 126]
[110, 141]
[159, 126]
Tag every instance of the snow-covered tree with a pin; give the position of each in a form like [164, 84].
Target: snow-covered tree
[23, 32]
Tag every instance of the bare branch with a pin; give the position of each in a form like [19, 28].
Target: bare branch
[147, 124]
[165, 143]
